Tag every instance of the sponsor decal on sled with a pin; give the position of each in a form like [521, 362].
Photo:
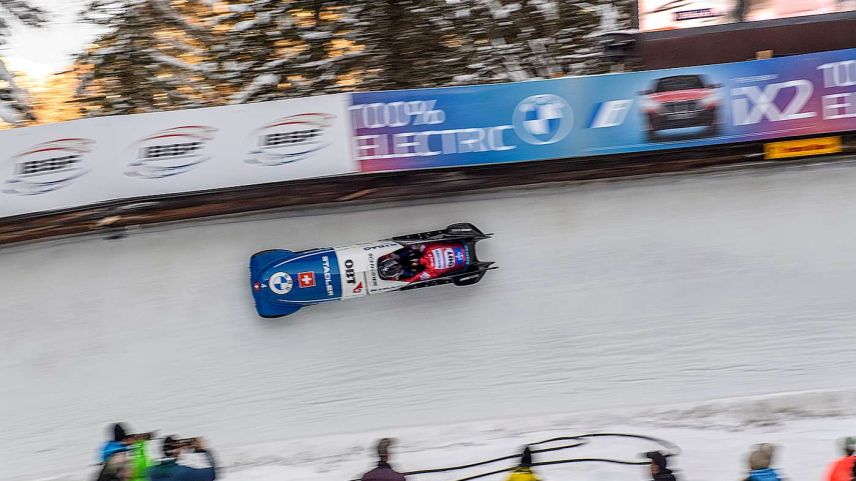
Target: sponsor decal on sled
[328, 276]
[306, 280]
[281, 283]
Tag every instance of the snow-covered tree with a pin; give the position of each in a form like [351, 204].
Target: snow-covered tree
[405, 43]
[256, 46]
[162, 54]
[514, 40]
[153, 57]
[278, 49]
[14, 103]
[617, 16]
[330, 58]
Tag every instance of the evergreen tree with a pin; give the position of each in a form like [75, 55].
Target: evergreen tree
[507, 40]
[331, 55]
[406, 43]
[307, 47]
[160, 55]
[14, 102]
[256, 48]
[153, 57]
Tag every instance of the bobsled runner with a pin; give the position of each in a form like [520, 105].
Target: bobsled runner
[283, 281]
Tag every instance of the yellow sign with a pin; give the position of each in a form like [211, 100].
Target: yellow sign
[787, 149]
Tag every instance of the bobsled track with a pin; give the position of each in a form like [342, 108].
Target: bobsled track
[630, 293]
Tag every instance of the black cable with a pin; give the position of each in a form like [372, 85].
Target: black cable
[670, 448]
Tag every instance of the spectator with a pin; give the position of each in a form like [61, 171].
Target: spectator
[854, 472]
[844, 469]
[660, 467]
[523, 471]
[759, 464]
[116, 468]
[383, 471]
[133, 453]
[168, 469]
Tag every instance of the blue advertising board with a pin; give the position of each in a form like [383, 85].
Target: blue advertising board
[605, 114]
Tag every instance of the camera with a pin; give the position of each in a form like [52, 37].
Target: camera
[143, 436]
[174, 444]
[184, 443]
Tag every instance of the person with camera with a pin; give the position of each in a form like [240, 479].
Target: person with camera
[168, 469]
[124, 458]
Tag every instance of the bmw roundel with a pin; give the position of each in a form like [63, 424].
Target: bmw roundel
[281, 283]
[543, 119]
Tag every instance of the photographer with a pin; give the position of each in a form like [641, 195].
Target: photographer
[168, 469]
[124, 456]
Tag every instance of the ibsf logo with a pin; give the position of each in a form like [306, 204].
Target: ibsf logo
[290, 139]
[543, 119]
[47, 166]
[171, 152]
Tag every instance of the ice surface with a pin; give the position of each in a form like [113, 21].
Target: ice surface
[642, 293]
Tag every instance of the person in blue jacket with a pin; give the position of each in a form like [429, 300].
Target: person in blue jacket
[759, 464]
[168, 469]
[126, 452]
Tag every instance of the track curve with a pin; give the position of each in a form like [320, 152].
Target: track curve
[626, 293]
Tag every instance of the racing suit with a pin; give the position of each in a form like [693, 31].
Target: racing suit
[439, 259]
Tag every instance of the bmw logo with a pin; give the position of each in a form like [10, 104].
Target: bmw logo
[281, 283]
[543, 119]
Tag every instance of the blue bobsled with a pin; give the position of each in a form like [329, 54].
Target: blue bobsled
[283, 281]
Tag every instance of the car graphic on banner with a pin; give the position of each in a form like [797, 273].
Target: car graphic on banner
[681, 102]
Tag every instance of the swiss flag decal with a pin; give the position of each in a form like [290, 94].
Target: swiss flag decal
[306, 279]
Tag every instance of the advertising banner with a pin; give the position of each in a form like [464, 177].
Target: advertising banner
[92, 160]
[788, 149]
[675, 14]
[606, 114]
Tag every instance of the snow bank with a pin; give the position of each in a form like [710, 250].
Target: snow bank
[714, 438]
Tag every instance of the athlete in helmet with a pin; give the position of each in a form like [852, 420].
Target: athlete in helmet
[402, 264]
[389, 268]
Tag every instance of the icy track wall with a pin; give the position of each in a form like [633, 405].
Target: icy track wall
[622, 294]
[87, 161]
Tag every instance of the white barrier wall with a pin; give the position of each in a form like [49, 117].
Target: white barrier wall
[92, 160]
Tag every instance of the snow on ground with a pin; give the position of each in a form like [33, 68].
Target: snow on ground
[714, 439]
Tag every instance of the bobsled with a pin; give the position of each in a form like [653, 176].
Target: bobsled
[283, 281]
